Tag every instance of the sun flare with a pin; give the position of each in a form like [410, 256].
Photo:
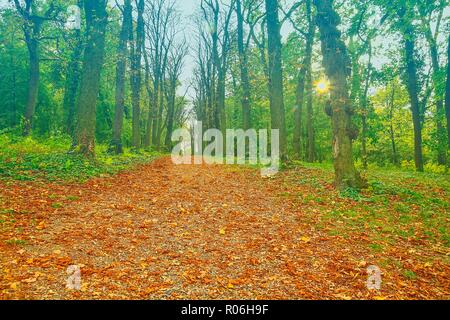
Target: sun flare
[322, 86]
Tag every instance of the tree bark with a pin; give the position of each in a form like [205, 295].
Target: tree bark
[122, 53]
[391, 127]
[276, 74]
[243, 62]
[136, 75]
[298, 125]
[300, 90]
[72, 84]
[412, 86]
[336, 65]
[34, 76]
[365, 109]
[151, 106]
[311, 155]
[447, 94]
[96, 21]
[439, 97]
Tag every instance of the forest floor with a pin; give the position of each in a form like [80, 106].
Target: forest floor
[162, 231]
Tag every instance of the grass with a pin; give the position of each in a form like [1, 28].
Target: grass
[398, 205]
[29, 159]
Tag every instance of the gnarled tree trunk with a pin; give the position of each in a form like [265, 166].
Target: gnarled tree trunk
[336, 63]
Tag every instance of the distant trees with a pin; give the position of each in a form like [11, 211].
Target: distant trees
[118, 80]
[213, 50]
[175, 66]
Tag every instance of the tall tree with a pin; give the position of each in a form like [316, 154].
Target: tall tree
[175, 68]
[136, 73]
[243, 63]
[32, 28]
[122, 55]
[447, 93]
[311, 152]
[405, 14]
[96, 22]
[274, 47]
[305, 78]
[73, 80]
[337, 67]
[162, 23]
[426, 11]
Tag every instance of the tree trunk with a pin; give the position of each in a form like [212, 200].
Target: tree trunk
[439, 97]
[243, 62]
[300, 91]
[96, 21]
[336, 65]
[72, 84]
[412, 85]
[150, 116]
[447, 94]
[298, 125]
[122, 53]
[170, 112]
[13, 91]
[136, 76]
[391, 128]
[160, 123]
[276, 74]
[365, 109]
[31, 38]
[311, 155]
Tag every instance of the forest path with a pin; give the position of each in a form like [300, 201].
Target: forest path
[174, 232]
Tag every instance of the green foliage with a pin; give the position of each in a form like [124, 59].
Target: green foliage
[32, 159]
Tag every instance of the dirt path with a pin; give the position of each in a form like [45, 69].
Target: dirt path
[174, 232]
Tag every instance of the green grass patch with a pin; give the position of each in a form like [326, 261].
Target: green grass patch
[28, 159]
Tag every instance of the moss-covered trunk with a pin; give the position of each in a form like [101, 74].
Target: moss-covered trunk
[336, 63]
[96, 21]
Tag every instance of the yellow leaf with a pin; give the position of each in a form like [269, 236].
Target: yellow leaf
[305, 239]
[362, 263]
[13, 285]
[230, 286]
[222, 231]
[379, 298]
[41, 225]
[84, 287]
